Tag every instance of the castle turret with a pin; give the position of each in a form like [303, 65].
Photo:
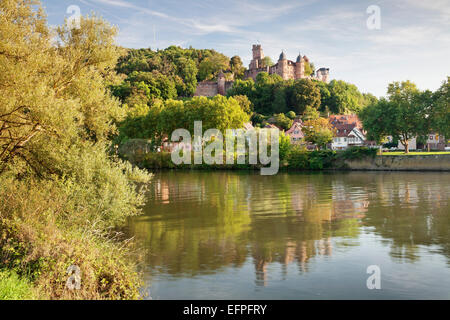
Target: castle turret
[282, 66]
[221, 83]
[299, 67]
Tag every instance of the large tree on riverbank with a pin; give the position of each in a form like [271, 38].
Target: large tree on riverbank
[405, 113]
[60, 190]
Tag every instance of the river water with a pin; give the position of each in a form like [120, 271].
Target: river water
[239, 235]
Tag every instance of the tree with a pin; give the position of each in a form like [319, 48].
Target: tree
[281, 121]
[318, 131]
[245, 103]
[310, 114]
[409, 110]
[440, 112]
[344, 98]
[376, 120]
[305, 93]
[403, 115]
[237, 68]
[267, 62]
[291, 115]
[212, 65]
[56, 118]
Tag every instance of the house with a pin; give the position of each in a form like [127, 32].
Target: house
[347, 135]
[349, 132]
[295, 132]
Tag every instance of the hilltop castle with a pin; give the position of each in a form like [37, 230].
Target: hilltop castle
[285, 68]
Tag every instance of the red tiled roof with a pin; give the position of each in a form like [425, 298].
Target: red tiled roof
[343, 130]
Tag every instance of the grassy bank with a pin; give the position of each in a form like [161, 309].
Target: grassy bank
[402, 153]
[13, 287]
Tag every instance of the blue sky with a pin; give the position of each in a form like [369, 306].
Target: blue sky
[413, 41]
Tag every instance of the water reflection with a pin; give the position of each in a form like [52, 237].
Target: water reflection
[200, 223]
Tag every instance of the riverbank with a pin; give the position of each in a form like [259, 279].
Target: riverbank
[414, 162]
[137, 152]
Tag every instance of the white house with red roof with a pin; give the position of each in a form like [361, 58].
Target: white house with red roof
[349, 131]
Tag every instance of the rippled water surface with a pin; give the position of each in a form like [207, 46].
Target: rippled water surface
[234, 235]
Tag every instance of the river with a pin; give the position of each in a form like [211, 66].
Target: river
[239, 235]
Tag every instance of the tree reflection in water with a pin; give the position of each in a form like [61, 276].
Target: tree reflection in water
[199, 223]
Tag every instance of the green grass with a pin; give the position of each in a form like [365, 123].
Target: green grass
[12, 287]
[402, 153]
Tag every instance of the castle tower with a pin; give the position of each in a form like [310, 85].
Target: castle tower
[299, 68]
[221, 83]
[258, 55]
[282, 66]
[323, 74]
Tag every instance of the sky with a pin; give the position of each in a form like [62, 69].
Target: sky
[407, 40]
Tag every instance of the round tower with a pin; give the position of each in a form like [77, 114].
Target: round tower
[299, 67]
[221, 83]
[282, 66]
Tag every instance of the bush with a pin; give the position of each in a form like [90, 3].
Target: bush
[353, 153]
[44, 230]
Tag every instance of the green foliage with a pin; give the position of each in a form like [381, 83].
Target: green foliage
[440, 112]
[174, 67]
[291, 115]
[353, 153]
[13, 287]
[245, 103]
[406, 113]
[267, 62]
[162, 119]
[344, 98]
[62, 192]
[318, 131]
[237, 67]
[281, 121]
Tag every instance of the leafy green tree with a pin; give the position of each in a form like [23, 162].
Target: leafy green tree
[237, 68]
[291, 115]
[440, 112]
[319, 132]
[305, 93]
[210, 67]
[242, 87]
[245, 103]
[345, 97]
[310, 114]
[281, 121]
[403, 115]
[267, 62]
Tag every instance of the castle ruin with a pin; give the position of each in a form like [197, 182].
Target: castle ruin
[285, 68]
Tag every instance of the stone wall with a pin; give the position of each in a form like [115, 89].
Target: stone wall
[402, 163]
[207, 89]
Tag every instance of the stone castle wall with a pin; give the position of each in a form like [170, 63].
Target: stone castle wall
[207, 89]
